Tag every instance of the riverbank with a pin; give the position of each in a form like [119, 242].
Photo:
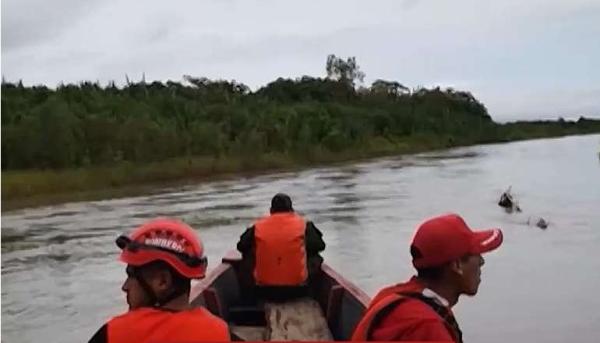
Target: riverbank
[88, 141]
[32, 188]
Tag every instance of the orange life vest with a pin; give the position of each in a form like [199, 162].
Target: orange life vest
[365, 325]
[386, 301]
[280, 250]
[150, 325]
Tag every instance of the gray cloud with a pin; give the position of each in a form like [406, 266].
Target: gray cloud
[520, 58]
[27, 22]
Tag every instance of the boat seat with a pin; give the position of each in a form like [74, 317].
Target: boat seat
[297, 320]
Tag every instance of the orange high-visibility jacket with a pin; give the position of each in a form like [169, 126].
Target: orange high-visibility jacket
[396, 314]
[280, 250]
[150, 325]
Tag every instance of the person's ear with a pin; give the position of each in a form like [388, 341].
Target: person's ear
[457, 267]
[160, 280]
[164, 280]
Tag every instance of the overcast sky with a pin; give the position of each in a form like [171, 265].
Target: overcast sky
[523, 58]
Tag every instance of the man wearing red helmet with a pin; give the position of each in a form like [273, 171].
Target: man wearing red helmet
[162, 256]
[447, 256]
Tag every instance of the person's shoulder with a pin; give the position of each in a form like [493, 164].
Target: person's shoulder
[218, 328]
[132, 313]
[388, 290]
[310, 225]
[202, 314]
[197, 315]
[250, 230]
[411, 319]
[199, 323]
[411, 328]
[414, 309]
[144, 311]
[262, 220]
[410, 286]
[133, 320]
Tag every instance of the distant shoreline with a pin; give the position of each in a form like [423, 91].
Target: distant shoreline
[45, 188]
[87, 141]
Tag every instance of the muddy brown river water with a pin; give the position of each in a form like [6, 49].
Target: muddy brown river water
[61, 279]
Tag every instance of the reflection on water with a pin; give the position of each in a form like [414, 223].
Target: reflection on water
[61, 279]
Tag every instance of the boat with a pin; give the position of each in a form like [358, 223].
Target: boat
[223, 292]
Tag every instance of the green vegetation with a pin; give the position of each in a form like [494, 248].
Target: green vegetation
[88, 137]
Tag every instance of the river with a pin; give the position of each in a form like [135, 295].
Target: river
[61, 278]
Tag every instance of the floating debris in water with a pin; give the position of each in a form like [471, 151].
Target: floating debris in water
[508, 202]
[539, 222]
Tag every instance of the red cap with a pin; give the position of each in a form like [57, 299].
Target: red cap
[446, 238]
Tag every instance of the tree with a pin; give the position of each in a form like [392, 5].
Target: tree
[219, 90]
[346, 71]
[391, 88]
[87, 124]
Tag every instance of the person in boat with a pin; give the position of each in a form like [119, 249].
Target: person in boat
[162, 256]
[280, 252]
[447, 256]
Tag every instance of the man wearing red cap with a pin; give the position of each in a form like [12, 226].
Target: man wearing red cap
[447, 256]
[162, 256]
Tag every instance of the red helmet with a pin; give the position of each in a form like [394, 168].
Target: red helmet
[167, 240]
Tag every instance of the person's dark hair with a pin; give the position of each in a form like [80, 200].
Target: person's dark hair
[281, 203]
[431, 273]
[181, 284]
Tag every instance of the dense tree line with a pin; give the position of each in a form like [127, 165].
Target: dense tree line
[89, 124]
